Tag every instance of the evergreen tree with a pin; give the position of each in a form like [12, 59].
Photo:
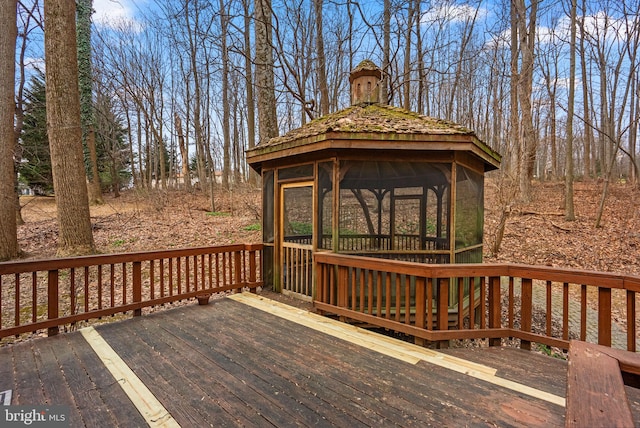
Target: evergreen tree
[35, 168]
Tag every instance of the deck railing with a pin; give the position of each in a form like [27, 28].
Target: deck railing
[46, 294]
[509, 302]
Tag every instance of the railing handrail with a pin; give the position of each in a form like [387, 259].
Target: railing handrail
[544, 273]
[347, 291]
[81, 288]
[23, 266]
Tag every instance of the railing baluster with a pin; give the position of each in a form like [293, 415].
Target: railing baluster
[171, 276]
[86, 288]
[354, 294]
[17, 308]
[407, 299]
[565, 311]
[549, 312]
[483, 302]
[152, 277]
[398, 281]
[112, 285]
[368, 281]
[72, 290]
[511, 303]
[387, 300]
[472, 302]
[430, 325]
[99, 287]
[460, 303]
[124, 283]
[187, 273]
[583, 312]
[34, 297]
[179, 273]
[378, 293]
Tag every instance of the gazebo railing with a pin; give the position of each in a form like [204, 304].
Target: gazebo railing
[46, 294]
[414, 299]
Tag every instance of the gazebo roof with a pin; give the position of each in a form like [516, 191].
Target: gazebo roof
[372, 129]
[374, 126]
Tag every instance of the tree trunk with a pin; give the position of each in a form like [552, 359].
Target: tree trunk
[513, 145]
[321, 64]
[569, 213]
[386, 52]
[8, 230]
[407, 57]
[64, 130]
[267, 119]
[526, 32]
[85, 72]
[251, 113]
[184, 152]
[226, 131]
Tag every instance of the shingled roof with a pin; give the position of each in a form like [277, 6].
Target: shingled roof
[370, 125]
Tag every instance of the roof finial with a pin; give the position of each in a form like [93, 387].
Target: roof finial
[365, 83]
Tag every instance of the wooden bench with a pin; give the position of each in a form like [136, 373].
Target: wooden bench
[596, 377]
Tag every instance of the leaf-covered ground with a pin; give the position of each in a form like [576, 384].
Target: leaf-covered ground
[535, 233]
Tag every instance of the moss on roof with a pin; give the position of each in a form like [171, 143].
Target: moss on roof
[371, 118]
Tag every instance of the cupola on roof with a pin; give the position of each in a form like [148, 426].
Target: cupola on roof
[370, 125]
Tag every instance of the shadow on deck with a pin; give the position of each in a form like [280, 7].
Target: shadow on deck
[234, 362]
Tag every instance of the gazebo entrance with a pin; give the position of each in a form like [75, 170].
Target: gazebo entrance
[296, 250]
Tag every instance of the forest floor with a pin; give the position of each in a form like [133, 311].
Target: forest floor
[535, 233]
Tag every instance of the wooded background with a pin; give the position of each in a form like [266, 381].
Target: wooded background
[183, 87]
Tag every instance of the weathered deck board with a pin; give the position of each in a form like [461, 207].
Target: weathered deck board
[110, 391]
[227, 364]
[542, 372]
[28, 388]
[56, 389]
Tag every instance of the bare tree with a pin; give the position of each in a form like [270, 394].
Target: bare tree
[8, 31]
[84, 10]
[526, 43]
[64, 130]
[569, 212]
[248, 71]
[321, 65]
[267, 119]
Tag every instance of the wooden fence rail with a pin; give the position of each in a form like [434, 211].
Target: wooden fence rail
[415, 299]
[45, 294]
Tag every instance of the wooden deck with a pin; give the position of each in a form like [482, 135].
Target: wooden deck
[232, 364]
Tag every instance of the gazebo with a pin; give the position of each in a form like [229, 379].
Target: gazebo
[370, 180]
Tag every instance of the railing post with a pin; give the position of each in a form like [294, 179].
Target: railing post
[52, 300]
[604, 316]
[443, 309]
[137, 286]
[631, 321]
[495, 310]
[526, 310]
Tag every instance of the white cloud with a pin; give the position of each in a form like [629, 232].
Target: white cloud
[109, 12]
[451, 12]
